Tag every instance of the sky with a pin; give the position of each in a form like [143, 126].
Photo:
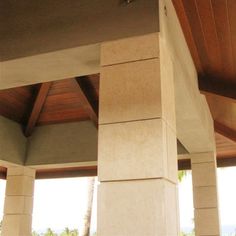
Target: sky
[226, 194]
[65, 201]
[60, 203]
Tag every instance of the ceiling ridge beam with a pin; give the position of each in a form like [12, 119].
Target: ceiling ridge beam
[85, 99]
[37, 107]
[225, 131]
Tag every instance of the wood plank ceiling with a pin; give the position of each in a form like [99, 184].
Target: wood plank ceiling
[210, 30]
[209, 27]
[67, 100]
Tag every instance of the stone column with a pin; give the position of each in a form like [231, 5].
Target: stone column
[137, 157]
[205, 194]
[18, 206]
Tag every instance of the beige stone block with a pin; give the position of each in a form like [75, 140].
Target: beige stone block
[130, 91]
[171, 209]
[130, 49]
[19, 185]
[145, 207]
[207, 221]
[18, 205]
[204, 174]
[172, 156]
[205, 197]
[16, 225]
[203, 157]
[167, 87]
[29, 203]
[20, 170]
[136, 150]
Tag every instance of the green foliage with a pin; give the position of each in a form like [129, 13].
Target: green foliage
[181, 175]
[74, 232]
[34, 233]
[187, 234]
[68, 232]
[50, 232]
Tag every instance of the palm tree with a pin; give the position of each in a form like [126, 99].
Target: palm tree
[181, 174]
[66, 232]
[87, 217]
[34, 233]
[74, 232]
[49, 233]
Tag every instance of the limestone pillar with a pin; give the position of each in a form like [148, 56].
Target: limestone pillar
[137, 157]
[18, 206]
[206, 212]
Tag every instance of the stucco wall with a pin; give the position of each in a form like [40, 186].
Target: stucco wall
[12, 141]
[83, 22]
[63, 143]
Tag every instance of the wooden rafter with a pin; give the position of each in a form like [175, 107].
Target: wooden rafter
[225, 131]
[37, 107]
[66, 172]
[219, 88]
[83, 95]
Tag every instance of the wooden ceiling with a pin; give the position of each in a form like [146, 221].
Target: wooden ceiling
[67, 100]
[210, 30]
[209, 27]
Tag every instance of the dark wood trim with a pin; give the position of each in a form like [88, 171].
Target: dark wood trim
[37, 107]
[217, 87]
[67, 172]
[226, 162]
[83, 95]
[3, 172]
[225, 131]
[184, 164]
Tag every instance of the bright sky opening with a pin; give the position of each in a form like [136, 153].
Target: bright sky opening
[60, 203]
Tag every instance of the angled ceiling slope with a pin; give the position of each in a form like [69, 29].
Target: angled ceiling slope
[67, 100]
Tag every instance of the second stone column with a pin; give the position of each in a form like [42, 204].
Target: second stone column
[137, 157]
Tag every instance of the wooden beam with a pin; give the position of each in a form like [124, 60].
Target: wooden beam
[226, 162]
[66, 172]
[215, 96]
[225, 131]
[37, 107]
[82, 91]
[216, 87]
[3, 172]
[185, 164]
